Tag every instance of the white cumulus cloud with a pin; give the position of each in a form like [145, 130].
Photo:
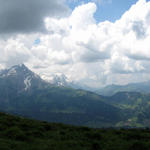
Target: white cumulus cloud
[85, 51]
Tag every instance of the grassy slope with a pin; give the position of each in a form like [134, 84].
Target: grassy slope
[24, 134]
[61, 104]
[136, 106]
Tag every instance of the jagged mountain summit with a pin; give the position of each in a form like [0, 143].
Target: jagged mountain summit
[21, 79]
[15, 70]
[60, 80]
[26, 79]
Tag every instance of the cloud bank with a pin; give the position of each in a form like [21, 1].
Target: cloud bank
[92, 53]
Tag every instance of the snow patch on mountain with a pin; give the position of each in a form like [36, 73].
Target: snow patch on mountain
[62, 80]
[27, 83]
[59, 80]
[12, 71]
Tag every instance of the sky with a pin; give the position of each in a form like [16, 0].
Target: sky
[92, 42]
[106, 9]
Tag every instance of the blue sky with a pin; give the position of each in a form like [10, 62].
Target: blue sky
[107, 9]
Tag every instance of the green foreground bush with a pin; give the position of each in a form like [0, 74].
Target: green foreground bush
[23, 134]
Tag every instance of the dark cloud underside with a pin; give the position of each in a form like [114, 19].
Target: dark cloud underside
[27, 15]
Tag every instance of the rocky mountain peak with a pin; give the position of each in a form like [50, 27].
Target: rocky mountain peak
[16, 70]
[22, 78]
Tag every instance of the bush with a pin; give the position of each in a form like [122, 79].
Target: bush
[138, 146]
[15, 133]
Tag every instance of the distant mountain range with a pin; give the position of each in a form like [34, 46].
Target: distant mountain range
[109, 90]
[62, 80]
[24, 93]
[142, 87]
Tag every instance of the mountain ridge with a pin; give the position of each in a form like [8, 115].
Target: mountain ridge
[53, 103]
[45, 101]
[143, 87]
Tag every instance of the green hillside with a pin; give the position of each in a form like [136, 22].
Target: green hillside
[60, 104]
[23, 134]
[136, 107]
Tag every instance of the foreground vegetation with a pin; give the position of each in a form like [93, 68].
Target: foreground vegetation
[23, 134]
